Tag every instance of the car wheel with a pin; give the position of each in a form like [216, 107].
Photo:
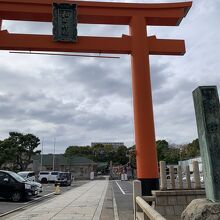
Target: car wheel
[44, 180]
[16, 196]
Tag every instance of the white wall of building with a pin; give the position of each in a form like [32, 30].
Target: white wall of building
[189, 162]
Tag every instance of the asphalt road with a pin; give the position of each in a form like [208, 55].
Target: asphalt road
[124, 199]
[48, 192]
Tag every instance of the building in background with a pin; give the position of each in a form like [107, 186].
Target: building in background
[113, 144]
[80, 167]
[189, 162]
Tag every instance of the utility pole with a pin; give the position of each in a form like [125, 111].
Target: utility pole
[54, 147]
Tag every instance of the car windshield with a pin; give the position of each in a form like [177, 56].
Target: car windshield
[23, 175]
[62, 175]
[17, 177]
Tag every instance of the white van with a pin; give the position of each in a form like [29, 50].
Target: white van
[28, 175]
[48, 176]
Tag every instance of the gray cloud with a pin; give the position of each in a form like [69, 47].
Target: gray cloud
[79, 100]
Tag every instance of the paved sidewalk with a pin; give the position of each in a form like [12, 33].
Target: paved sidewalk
[109, 209]
[82, 203]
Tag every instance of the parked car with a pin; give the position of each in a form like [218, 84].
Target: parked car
[192, 179]
[48, 176]
[38, 186]
[14, 187]
[28, 175]
[201, 179]
[64, 178]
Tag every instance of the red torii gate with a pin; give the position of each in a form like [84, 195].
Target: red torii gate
[138, 44]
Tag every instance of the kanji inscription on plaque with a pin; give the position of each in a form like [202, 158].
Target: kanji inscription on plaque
[65, 22]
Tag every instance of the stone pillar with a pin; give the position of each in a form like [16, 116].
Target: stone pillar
[207, 111]
[163, 176]
[136, 192]
[188, 180]
[172, 177]
[180, 177]
[196, 174]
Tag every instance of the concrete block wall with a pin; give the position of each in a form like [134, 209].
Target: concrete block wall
[171, 203]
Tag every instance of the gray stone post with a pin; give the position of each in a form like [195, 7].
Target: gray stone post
[136, 192]
[188, 180]
[207, 110]
[172, 177]
[180, 176]
[163, 176]
[196, 174]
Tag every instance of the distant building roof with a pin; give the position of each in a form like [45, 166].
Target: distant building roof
[108, 143]
[47, 160]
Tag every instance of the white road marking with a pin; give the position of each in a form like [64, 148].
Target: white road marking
[43, 196]
[120, 188]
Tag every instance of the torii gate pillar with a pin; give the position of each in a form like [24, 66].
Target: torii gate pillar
[147, 169]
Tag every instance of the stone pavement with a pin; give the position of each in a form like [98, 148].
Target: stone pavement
[109, 208]
[81, 203]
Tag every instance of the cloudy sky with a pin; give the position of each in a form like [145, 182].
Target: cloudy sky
[84, 100]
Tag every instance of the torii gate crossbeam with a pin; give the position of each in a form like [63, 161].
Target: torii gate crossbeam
[137, 44]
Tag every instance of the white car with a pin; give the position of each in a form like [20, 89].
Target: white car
[48, 176]
[192, 179]
[28, 175]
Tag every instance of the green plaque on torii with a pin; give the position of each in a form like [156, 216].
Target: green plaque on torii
[65, 22]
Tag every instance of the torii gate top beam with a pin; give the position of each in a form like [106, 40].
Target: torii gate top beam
[163, 14]
[167, 14]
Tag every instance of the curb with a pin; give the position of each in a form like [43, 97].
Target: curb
[24, 206]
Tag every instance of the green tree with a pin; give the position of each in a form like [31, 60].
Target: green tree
[100, 153]
[132, 155]
[72, 150]
[7, 152]
[121, 155]
[162, 148]
[164, 152]
[190, 150]
[78, 150]
[172, 155]
[19, 149]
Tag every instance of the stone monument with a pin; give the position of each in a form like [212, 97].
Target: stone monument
[207, 111]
